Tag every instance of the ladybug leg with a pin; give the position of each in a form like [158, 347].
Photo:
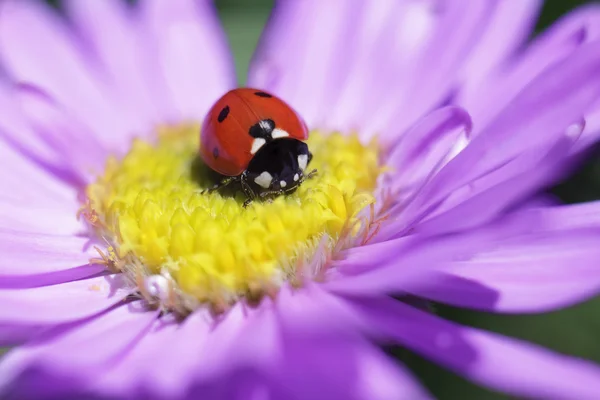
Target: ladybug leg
[270, 194]
[221, 184]
[310, 175]
[247, 189]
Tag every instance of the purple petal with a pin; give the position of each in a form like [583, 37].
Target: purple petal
[245, 348]
[128, 57]
[313, 309]
[382, 378]
[61, 303]
[67, 361]
[142, 369]
[541, 114]
[370, 256]
[70, 139]
[545, 109]
[432, 77]
[252, 340]
[553, 265]
[38, 228]
[25, 149]
[62, 66]
[591, 133]
[486, 197]
[328, 73]
[230, 345]
[508, 29]
[35, 280]
[382, 37]
[394, 265]
[487, 99]
[301, 56]
[195, 62]
[425, 147]
[538, 259]
[28, 253]
[28, 184]
[13, 335]
[501, 363]
[204, 351]
[343, 367]
[38, 219]
[325, 359]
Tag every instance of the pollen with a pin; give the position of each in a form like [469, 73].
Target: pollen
[150, 209]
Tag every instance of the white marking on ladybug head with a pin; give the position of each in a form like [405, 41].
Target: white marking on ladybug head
[265, 125]
[282, 183]
[279, 133]
[264, 180]
[296, 177]
[303, 161]
[257, 144]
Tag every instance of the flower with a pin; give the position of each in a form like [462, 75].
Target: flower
[469, 124]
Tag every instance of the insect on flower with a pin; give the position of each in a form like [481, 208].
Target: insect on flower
[255, 138]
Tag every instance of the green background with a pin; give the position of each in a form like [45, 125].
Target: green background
[574, 331]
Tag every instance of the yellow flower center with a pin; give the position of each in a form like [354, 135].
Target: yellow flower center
[150, 209]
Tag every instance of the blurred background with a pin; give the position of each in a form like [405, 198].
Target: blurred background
[574, 331]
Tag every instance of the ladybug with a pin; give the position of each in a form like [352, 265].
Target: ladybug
[254, 138]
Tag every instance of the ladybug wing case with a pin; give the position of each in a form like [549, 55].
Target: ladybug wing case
[266, 106]
[225, 143]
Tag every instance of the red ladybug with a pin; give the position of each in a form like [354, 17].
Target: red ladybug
[254, 138]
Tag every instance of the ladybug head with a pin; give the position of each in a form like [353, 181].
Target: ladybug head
[279, 165]
[264, 131]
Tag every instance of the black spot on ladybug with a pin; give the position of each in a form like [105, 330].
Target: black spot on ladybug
[262, 129]
[263, 94]
[216, 152]
[223, 114]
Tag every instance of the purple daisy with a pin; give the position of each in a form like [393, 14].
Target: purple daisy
[434, 126]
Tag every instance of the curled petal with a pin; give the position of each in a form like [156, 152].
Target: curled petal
[425, 147]
[539, 117]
